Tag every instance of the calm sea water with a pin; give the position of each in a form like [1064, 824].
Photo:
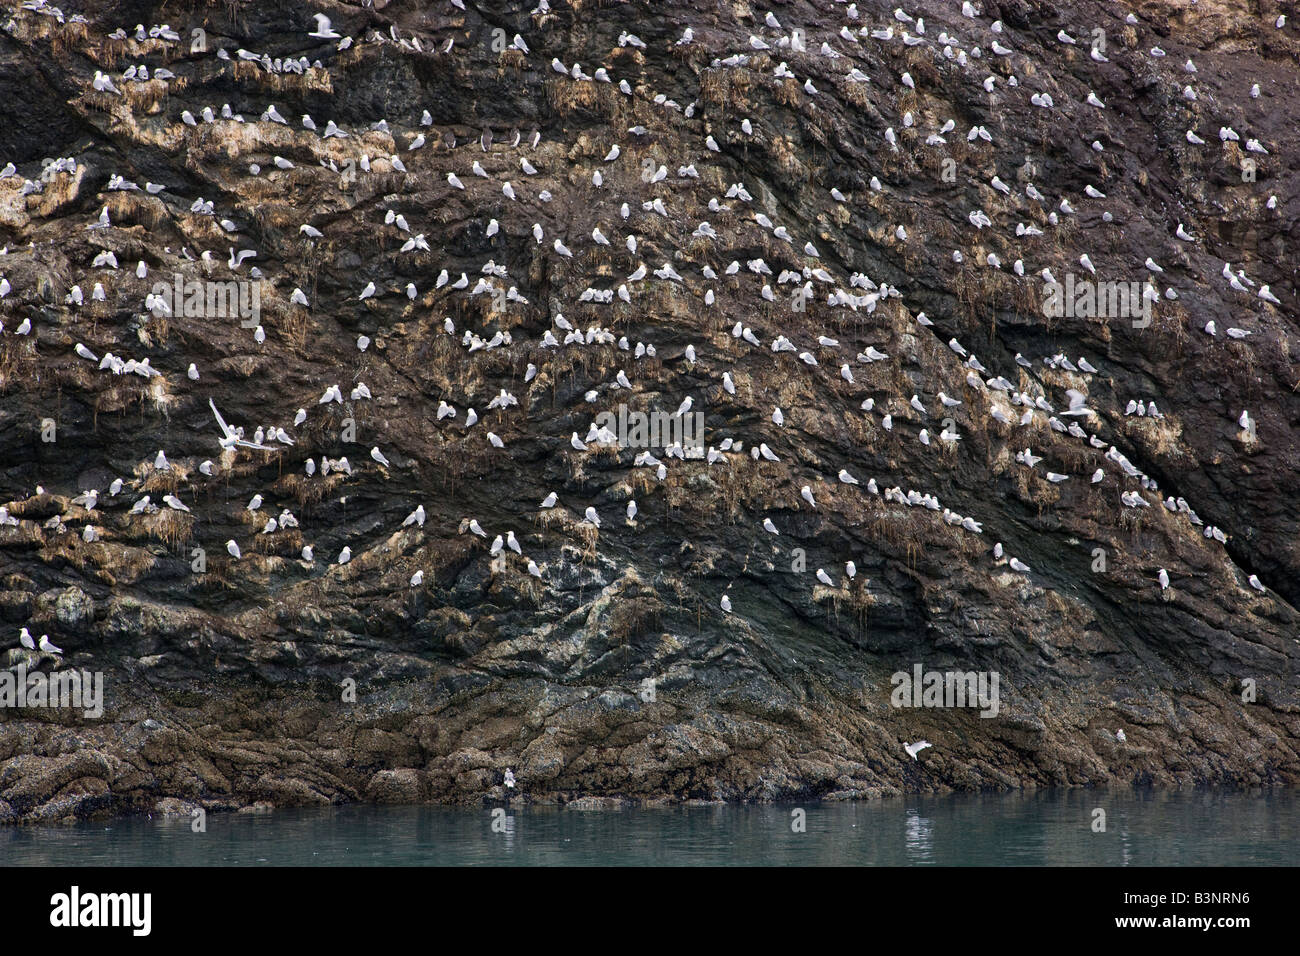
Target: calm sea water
[1208, 828]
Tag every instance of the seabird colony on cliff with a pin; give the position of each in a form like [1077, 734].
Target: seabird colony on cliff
[496, 175]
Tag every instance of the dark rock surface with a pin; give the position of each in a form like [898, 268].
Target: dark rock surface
[616, 674]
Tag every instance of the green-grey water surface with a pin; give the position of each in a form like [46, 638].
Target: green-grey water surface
[1205, 828]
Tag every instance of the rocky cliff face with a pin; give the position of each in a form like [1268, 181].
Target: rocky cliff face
[614, 670]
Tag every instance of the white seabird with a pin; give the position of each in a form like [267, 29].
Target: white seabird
[916, 748]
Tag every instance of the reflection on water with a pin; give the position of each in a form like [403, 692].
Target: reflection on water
[1210, 828]
[920, 847]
